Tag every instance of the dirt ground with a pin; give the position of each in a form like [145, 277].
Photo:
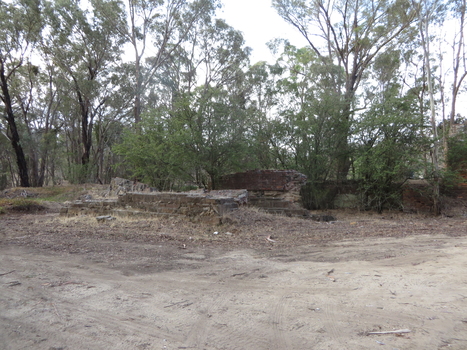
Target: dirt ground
[256, 282]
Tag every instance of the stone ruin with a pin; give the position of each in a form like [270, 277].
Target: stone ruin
[119, 186]
[274, 191]
[196, 206]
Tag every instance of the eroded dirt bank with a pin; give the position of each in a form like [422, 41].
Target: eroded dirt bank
[171, 284]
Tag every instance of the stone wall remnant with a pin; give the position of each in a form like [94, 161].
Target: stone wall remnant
[196, 206]
[120, 186]
[274, 191]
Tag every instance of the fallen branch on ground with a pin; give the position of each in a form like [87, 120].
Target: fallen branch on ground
[6, 273]
[390, 332]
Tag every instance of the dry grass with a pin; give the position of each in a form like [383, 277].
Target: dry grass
[246, 227]
[54, 193]
[19, 205]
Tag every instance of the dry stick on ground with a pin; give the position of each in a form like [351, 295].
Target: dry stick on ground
[56, 311]
[6, 273]
[391, 332]
[180, 302]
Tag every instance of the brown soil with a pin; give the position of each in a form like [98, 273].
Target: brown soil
[256, 282]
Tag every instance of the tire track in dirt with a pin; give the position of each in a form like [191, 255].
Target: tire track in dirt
[197, 335]
[331, 326]
[230, 334]
[271, 332]
[60, 310]
[280, 337]
[238, 327]
[17, 334]
[115, 324]
[84, 319]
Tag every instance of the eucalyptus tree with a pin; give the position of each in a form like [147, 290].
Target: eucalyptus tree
[455, 145]
[309, 116]
[156, 30]
[390, 136]
[430, 12]
[196, 131]
[217, 119]
[348, 34]
[459, 64]
[391, 143]
[20, 30]
[147, 152]
[110, 120]
[37, 102]
[263, 95]
[84, 42]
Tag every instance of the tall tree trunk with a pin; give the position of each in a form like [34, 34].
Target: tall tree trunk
[85, 140]
[13, 134]
[134, 41]
[343, 147]
[86, 127]
[458, 63]
[424, 33]
[137, 107]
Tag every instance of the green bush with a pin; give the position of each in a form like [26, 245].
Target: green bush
[457, 154]
[318, 195]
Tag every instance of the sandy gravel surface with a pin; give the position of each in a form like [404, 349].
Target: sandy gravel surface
[261, 282]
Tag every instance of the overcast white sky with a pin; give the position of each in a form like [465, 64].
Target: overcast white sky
[259, 23]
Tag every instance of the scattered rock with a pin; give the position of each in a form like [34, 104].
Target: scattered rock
[104, 218]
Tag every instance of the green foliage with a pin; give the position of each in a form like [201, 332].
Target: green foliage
[187, 144]
[346, 36]
[195, 134]
[391, 140]
[216, 133]
[149, 153]
[3, 174]
[79, 173]
[456, 161]
[457, 154]
[318, 195]
[3, 181]
[451, 180]
[20, 31]
[21, 25]
[311, 131]
[261, 86]
[56, 193]
[83, 47]
[191, 108]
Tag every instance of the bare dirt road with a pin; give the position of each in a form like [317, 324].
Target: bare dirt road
[171, 284]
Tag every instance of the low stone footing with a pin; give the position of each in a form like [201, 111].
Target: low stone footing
[277, 205]
[195, 206]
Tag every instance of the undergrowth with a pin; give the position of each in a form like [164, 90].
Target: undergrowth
[19, 204]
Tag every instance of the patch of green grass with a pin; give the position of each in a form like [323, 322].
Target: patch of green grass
[47, 193]
[56, 193]
[20, 204]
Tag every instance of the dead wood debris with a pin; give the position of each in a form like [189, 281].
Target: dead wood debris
[398, 331]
